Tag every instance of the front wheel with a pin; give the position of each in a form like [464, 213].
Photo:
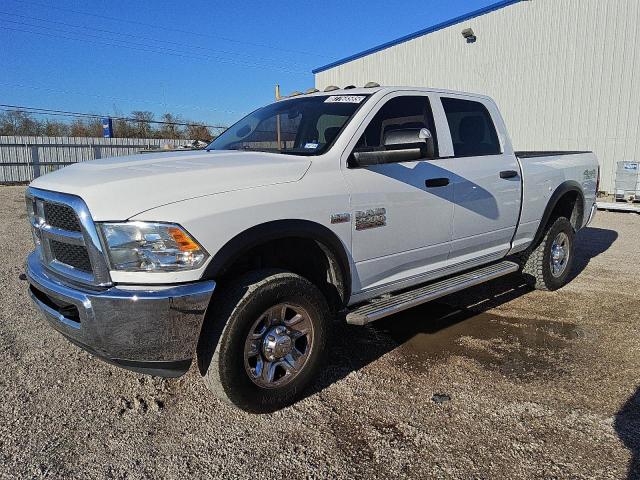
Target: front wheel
[264, 340]
[547, 267]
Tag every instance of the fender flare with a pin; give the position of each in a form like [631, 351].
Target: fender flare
[562, 189]
[239, 245]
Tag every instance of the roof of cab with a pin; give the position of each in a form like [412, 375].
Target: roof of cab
[384, 89]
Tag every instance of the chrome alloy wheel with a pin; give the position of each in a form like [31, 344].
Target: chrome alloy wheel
[559, 258]
[278, 345]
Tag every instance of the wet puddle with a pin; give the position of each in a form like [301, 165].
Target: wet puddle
[523, 348]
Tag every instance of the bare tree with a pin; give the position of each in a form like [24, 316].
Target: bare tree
[142, 126]
[55, 129]
[16, 122]
[123, 129]
[198, 131]
[170, 129]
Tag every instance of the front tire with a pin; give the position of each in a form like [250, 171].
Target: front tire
[548, 265]
[264, 340]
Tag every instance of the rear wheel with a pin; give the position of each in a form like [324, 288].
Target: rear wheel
[264, 340]
[547, 267]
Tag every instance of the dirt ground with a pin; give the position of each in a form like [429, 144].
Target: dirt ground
[496, 382]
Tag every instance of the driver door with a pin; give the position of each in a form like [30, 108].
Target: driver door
[403, 212]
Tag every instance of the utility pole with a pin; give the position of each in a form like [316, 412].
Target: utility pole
[278, 119]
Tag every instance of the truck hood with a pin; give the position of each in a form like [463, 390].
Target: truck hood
[120, 187]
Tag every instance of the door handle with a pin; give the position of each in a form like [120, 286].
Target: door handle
[508, 174]
[436, 182]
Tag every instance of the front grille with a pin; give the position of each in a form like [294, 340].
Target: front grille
[75, 256]
[66, 238]
[61, 216]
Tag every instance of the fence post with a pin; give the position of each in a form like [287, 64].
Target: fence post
[35, 160]
[96, 152]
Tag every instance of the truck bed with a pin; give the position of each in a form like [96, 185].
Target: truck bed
[543, 173]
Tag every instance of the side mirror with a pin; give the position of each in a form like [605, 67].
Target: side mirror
[407, 138]
[404, 145]
[380, 157]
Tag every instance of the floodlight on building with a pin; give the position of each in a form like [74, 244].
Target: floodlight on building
[468, 34]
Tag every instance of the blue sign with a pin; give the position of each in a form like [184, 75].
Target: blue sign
[107, 128]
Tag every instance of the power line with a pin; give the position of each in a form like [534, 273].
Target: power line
[160, 48]
[144, 48]
[47, 111]
[118, 99]
[123, 34]
[165, 28]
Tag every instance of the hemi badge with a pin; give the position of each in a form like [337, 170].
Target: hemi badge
[340, 218]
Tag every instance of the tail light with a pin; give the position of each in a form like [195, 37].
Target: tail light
[598, 180]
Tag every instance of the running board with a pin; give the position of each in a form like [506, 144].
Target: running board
[381, 308]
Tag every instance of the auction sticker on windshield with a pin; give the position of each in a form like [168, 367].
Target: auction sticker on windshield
[345, 99]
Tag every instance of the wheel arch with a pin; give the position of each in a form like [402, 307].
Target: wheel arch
[567, 196]
[254, 237]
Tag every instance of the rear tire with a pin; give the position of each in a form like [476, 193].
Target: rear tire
[548, 265]
[253, 352]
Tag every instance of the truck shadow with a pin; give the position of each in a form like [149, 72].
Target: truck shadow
[591, 242]
[475, 198]
[627, 426]
[437, 329]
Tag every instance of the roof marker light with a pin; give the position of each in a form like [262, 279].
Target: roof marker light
[371, 85]
[331, 88]
[312, 90]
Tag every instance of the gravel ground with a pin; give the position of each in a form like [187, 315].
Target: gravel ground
[498, 382]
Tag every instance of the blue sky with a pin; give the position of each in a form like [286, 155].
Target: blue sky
[206, 61]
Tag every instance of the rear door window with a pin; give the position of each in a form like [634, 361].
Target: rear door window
[472, 130]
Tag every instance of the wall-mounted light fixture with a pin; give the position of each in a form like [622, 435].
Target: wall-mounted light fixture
[468, 34]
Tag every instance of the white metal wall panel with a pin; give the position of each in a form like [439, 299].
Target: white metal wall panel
[565, 73]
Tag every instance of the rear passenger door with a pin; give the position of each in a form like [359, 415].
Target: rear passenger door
[486, 181]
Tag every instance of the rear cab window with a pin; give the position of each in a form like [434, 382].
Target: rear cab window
[473, 132]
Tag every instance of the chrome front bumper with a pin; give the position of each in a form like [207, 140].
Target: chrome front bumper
[151, 329]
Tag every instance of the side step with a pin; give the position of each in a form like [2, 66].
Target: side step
[402, 301]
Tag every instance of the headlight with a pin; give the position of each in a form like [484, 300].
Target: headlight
[151, 247]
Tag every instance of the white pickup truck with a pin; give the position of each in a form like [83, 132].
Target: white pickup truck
[351, 203]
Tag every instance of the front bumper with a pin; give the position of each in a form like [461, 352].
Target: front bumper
[150, 329]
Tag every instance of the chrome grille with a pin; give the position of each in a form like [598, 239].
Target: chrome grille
[66, 237]
[61, 216]
[75, 256]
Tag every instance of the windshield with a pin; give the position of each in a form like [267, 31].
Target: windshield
[301, 126]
